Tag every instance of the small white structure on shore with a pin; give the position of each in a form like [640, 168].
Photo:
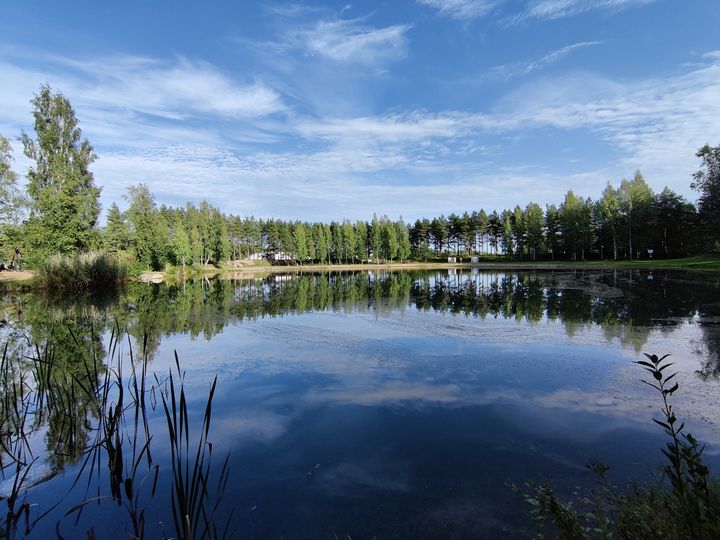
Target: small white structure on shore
[282, 256]
[452, 259]
[475, 260]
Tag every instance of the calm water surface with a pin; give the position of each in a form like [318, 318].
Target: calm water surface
[391, 405]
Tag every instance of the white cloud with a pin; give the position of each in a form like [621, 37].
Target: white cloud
[656, 124]
[462, 9]
[140, 102]
[120, 85]
[523, 68]
[408, 127]
[351, 41]
[557, 9]
[418, 163]
[173, 90]
[291, 10]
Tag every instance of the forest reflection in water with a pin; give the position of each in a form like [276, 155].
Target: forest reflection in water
[626, 306]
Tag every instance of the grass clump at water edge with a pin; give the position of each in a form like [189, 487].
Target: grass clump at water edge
[81, 272]
[684, 504]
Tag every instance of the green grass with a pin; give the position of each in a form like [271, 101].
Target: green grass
[81, 272]
[696, 263]
[704, 262]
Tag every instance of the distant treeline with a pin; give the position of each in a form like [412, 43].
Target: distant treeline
[59, 210]
[202, 235]
[628, 222]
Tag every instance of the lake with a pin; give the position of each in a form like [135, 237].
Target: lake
[352, 405]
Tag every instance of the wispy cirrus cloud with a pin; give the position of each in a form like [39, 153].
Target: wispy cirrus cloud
[178, 90]
[175, 89]
[408, 127]
[349, 40]
[558, 9]
[524, 68]
[289, 10]
[136, 100]
[655, 124]
[462, 9]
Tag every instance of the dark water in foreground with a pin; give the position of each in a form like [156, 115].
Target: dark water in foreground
[392, 405]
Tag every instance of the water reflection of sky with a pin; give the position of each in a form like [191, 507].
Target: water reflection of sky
[389, 419]
[423, 413]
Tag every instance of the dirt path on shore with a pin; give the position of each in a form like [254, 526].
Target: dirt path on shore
[260, 269]
[15, 275]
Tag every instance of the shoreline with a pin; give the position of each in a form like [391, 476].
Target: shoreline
[254, 270]
[24, 278]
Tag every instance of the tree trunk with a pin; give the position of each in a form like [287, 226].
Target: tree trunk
[614, 247]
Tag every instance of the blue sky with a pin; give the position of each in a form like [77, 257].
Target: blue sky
[325, 110]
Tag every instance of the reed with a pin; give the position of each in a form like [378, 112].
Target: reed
[81, 272]
[98, 414]
[194, 502]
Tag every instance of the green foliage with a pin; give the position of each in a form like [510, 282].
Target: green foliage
[336, 242]
[685, 505]
[116, 236]
[575, 222]
[439, 233]
[707, 182]
[403, 240]
[389, 240]
[508, 246]
[321, 246]
[81, 272]
[360, 249]
[148, 231]
[636, 205]
[301, 242]
[534, 227]
[608, 209]
[12, 204]
[218, 242]
[12, 201]
[181, 248]
[63, 198]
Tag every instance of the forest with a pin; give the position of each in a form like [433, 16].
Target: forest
[58, 213]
